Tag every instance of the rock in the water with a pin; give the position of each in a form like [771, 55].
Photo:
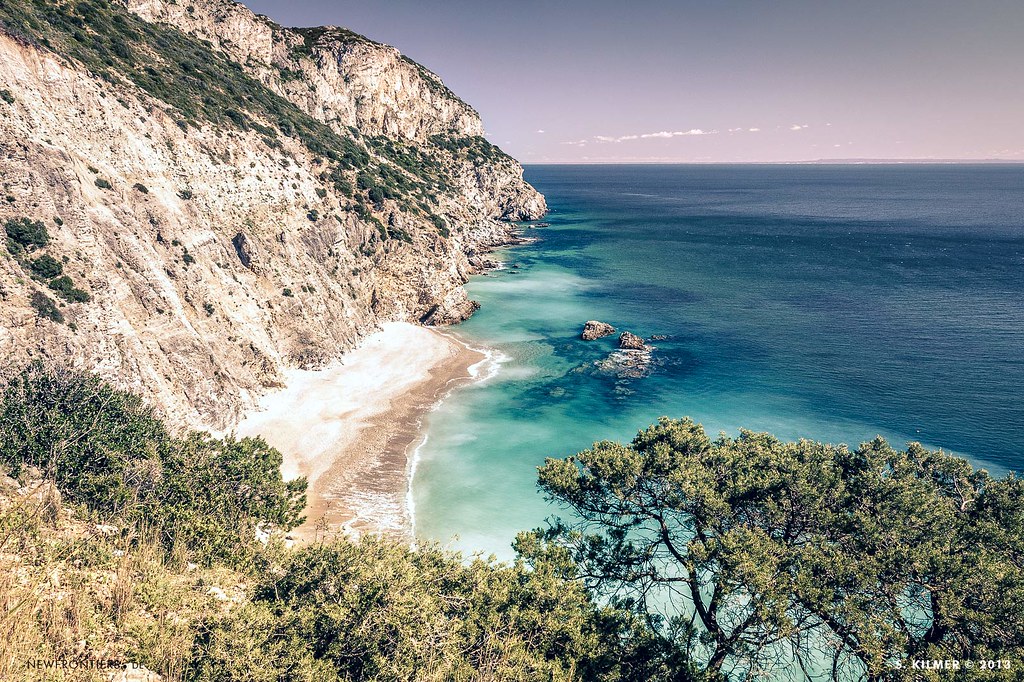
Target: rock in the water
[631, 341]
[595, 330]
[627, 364]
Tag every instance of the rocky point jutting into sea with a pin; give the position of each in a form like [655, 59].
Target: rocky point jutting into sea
[229, 198]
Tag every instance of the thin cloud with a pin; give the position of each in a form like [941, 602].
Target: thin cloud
[753, 130]
[661, 134]
[797, 126]
[678, 133]
[541, 132]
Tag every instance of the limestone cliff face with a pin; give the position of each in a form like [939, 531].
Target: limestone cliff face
[232, 207]
[347, 80]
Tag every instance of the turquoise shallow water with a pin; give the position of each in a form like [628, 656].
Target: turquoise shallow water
[829, 302]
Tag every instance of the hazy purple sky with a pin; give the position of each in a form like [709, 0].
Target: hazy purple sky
[715, 80]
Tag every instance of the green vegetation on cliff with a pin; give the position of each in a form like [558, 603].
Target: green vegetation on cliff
[25, 236]
[200, 85]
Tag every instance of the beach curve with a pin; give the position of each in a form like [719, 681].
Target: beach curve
[350, 428]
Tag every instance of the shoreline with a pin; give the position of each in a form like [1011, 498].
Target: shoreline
[355, 429]
[482, 370]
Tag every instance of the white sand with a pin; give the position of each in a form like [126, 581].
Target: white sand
[347, 428]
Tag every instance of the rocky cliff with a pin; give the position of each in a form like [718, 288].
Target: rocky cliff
[195, 198]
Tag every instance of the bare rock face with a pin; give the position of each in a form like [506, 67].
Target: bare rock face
[215, 248]
[247, 253]
[631, 341]
[348, 81]
[593, 330]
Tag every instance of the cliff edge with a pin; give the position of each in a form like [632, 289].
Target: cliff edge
[195, 198]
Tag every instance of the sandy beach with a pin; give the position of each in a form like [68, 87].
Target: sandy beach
[349, 428]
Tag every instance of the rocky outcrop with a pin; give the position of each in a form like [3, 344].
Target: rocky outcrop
[262, 202]
[341, 77]
[630, 341]
[348, 81]
[627, 364]
[593, 330]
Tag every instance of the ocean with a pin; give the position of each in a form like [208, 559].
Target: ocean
[831, 302]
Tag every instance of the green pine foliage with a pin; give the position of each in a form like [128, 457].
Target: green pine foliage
[747, 551]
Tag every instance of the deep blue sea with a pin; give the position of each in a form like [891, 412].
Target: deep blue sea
[827, 302]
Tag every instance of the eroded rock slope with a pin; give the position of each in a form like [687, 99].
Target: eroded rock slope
[195, 198]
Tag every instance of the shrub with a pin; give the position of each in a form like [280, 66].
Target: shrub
[103, 184]
[106, 450]
[6, 96]
[45, 307]
[287, 292]
[441, 225]
[376, 195]
[25, 235]
[185, 194]
[139, 187]
[46, 267]
[66, 289]
[410, 615]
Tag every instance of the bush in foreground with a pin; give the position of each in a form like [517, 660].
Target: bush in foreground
[373, 610]
[684, 559]
[752, 554]
[108, 452]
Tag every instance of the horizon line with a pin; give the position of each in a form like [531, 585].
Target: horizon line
[806, 162]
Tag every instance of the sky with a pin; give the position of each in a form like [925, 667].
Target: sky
[714, 81]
